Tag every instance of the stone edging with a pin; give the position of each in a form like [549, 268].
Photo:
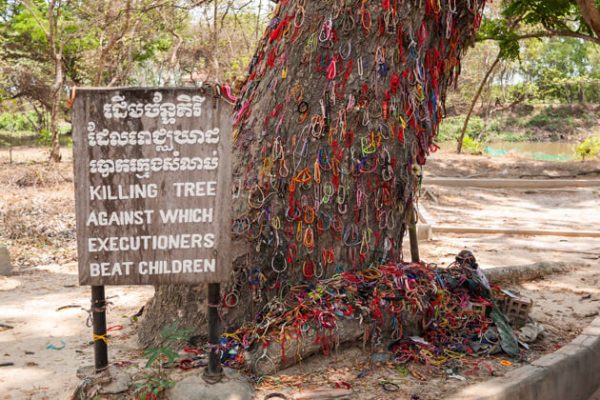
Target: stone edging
[571, 373]
[522, 273]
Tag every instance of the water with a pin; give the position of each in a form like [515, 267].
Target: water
[543, 151]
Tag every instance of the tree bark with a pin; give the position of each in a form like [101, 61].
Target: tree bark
[339, 111]
[215, 52]
[55, 50]
[463, 132]
[591, 14]
[55, 155]
[57, 86]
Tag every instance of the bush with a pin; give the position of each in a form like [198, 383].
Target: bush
[551, 119]
[451, 127]
[17, 122]
[472, 146]
[589, 148]
[45, 137]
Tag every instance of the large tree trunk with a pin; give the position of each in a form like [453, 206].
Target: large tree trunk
[340, 109]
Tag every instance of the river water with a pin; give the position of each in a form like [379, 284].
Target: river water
[545, 151]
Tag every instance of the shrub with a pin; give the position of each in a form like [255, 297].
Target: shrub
[589, 148]
[451, 127]
[551, 119]
[17, 122]
[472, 146]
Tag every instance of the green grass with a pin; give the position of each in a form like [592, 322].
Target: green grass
[30, 138]
[549, 121]
[540, 122]
[512, 136]
[451, 127]
[18, 138]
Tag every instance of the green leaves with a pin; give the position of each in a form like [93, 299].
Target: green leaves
[170, 334]
[548, 14]
[506, 37]
[154, 354]
[151, 386]
[157, 381]
[527, 19]
[173, 333]
[589, 148]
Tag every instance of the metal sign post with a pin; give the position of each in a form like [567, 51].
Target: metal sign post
[99, 328]
[214, 371]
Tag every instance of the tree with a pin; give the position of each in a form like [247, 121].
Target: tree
[339, 111]
[50, 19]
[535, 19]
[50, 45]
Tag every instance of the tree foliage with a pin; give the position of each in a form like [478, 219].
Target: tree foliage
[49, 46]
[511, 22]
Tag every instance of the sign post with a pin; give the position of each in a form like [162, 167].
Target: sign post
[214, 371]
[99, 328]
[153, 194]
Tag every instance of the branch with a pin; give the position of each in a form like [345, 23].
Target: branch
[474, 102]
[39, 22]
[590, 13]
[547, 34]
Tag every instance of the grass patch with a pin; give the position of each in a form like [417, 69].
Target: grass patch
[546, 123]
[589, 148]
[512, 136]
[549, 121]
[17, 138]
[33, 139]
[451, 127]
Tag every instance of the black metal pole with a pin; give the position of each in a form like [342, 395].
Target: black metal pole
[413, 236]
[214, 371]
[99, 327]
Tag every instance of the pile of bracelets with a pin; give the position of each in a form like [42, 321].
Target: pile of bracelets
[451, 314]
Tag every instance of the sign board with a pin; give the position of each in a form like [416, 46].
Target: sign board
[152, 186]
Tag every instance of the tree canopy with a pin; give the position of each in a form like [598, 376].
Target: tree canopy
[563, 64]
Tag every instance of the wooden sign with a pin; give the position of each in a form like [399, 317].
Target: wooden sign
[152, 186]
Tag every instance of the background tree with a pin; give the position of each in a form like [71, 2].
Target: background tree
[534, 19]
[339, 111]
[44, 27]
[53, 45]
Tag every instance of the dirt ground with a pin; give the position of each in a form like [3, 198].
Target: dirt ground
[42, 306]
[450, 164]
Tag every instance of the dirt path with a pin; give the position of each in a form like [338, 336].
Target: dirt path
[42, 301]
[556, 209]
[450, 164]
[49, 339]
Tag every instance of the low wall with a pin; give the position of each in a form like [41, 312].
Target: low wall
[571, 373]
